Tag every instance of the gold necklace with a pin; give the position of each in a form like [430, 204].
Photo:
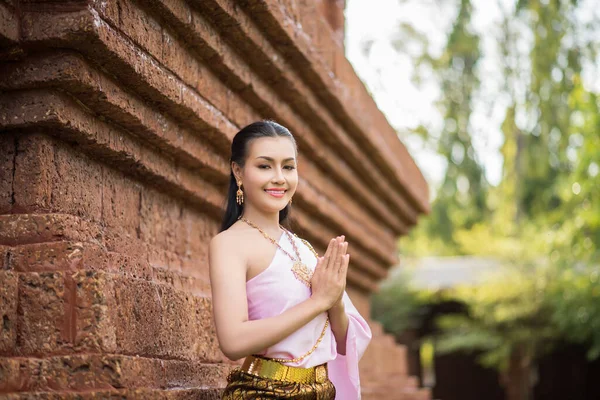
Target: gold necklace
[299, 269]
[306, 275]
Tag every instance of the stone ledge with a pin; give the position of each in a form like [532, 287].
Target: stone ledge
[70, 256]
[9, 25]
[116, 53]
[135, 394]
[266, 90]
[56, 113]
[144, 98]
[66, 312]
[79, 239]
[52, 110]
[100, 372]
[68, 72]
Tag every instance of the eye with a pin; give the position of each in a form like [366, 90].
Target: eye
[263, 166]
[290, 167]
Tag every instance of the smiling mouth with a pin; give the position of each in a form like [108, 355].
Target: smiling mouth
[276, 193]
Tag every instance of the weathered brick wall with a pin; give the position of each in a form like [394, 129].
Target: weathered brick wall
[116, 121]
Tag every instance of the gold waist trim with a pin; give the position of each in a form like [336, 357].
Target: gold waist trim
[270, 369]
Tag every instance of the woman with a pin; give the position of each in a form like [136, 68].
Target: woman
[275, 301]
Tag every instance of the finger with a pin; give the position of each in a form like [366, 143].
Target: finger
[344, 267]
[334, 251]
[325, 257]
[337, 257]
[318, 271]
[342, 249]
[345, 248]
[329, 249]
[340, 259]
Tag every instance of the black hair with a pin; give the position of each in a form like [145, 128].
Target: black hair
[239, 153]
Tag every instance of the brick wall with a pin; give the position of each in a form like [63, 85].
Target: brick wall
[116, 121]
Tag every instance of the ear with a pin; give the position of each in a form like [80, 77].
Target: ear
[237, 171]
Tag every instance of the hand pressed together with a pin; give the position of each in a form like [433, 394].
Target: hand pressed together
[329, 279]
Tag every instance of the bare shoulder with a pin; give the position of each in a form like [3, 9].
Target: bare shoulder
[220, 239]
[224, 241]
[228, 244]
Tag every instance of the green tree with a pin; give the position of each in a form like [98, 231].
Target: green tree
[543, 218]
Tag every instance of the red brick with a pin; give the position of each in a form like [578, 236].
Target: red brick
[136, 394]
[129, 265]
[35, 228]
[8, 311]
[41, 326]
[5, 257]
[94, 304]
[58, 256]
[76, 184]
[34, 167]
[160, 220]
[157, 321]
[9, 25]
[8, 152]
[121, 199]
[139, 102]
[150, 31]
[180, 10]
[197, 229]
[87, 372]
[172, 53]
[49, 176]
[12, 371]
[131, 316]
[109, 10]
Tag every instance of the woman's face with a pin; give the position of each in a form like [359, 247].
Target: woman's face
[269, 177]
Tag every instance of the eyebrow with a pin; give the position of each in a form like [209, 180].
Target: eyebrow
[270, 159]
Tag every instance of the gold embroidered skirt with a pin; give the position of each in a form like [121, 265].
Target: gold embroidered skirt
[261, 378]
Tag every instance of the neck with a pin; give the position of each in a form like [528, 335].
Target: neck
[269, 222]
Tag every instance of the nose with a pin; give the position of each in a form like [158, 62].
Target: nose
[278, 175]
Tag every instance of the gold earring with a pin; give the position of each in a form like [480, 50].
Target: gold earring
[290, 200]
[239, 195]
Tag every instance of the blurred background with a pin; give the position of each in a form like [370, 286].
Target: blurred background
[498, 292]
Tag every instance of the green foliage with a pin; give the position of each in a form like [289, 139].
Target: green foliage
[543, 218]
[573, 296]
[506, 312]
[531, 308]
[398, 306]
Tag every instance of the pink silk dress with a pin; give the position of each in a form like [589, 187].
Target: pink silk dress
[276, 289]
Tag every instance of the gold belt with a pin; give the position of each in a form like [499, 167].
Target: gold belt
[265, 368]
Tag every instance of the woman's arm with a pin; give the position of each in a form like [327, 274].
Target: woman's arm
[339, 325]
[238, 337]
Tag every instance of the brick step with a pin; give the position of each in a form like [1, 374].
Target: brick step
[391, 393]
[418, 394]
[376, 329]
[384, 357]
[390, 388]
[141, 394]
[97, 372]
